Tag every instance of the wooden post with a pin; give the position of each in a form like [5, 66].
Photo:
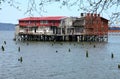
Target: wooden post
[63, 38]
[61, 31]
[78, 38]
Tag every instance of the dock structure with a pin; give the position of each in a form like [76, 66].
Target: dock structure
[87, 27]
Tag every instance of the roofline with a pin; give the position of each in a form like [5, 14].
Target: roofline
[104, 18]
[37, 18]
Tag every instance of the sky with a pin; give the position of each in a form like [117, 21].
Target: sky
[9, 14]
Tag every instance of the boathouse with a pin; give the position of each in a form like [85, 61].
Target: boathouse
[86, 27]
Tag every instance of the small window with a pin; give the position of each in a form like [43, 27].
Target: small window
[43, 22]
[29, 22]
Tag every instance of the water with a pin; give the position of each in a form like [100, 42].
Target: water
[46, 60]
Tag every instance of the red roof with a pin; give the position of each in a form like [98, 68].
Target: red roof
[43, 18]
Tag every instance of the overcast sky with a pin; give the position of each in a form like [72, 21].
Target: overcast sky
[10, 14]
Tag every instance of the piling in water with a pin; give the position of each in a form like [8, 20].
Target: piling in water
[94, 46]
[20, 59]
[87, 53]
[2, 47]
[14, 39]
[27, 44]
[90, 43]
[61, 43]
[5, 42]
[18, 49]
[56, 51]
[52, 44]
[119, 66]
[74, 44]
[69, 50]
[112, 55]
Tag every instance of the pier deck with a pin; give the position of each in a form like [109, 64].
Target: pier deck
[61, 37]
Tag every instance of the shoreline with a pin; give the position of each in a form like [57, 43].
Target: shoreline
[113, 30]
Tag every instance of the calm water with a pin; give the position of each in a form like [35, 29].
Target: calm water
[41, 61]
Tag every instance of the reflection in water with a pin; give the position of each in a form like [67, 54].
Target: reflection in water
[41, 61]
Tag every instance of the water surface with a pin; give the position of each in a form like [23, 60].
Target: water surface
[49, 60]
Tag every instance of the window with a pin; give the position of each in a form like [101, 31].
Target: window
[29, 22]
[43, 22]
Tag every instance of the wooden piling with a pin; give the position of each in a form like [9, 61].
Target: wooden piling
[63, 37]
[119, 66]
[69, 50]
[19, 49]
[87, 53]
[20, 59]
[94, 46]
[112, 55]
[2, 47]
[5, 42]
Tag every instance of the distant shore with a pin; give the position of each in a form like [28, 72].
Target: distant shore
[113, 30]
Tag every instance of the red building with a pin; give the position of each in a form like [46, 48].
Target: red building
[92, 24]
[95, 25]
[41, 21]
[88, 27]
[40, 25]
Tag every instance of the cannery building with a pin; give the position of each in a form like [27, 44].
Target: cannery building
[86, 27]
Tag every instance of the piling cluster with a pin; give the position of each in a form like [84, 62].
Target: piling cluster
[69, 50]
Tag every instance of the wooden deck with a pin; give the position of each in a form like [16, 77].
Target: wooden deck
[61, 37]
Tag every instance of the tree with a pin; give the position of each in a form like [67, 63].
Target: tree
[91, 6]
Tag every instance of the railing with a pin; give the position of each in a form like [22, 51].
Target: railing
[36, 33]
[38, 24]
